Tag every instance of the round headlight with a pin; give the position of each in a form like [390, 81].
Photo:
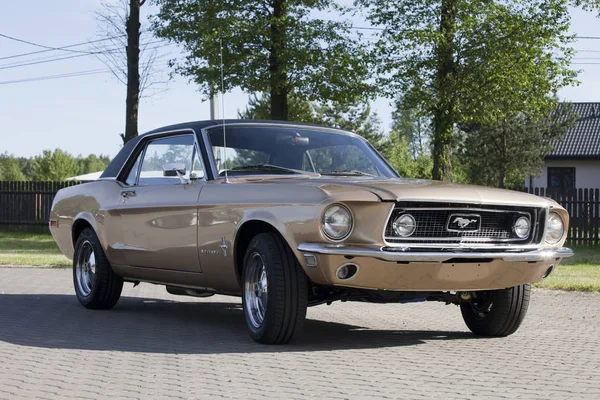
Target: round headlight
[555, 228]
[336, 222]
[522, 227]
[404, 225]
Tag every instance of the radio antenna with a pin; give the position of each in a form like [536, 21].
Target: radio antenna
[223, 111]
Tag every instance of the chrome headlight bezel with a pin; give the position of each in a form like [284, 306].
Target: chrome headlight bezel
[396, 225]
[555, 226]
[517, 229]
[335, 209]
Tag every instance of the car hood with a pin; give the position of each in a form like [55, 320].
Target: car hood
[400, 189]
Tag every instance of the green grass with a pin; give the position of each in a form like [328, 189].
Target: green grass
[24, 248]
[580, 272]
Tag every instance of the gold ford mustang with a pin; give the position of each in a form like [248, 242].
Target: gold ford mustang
[291, 215]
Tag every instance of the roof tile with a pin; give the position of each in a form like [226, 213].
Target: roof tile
[583, 139]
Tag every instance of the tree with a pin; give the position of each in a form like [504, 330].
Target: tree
[130, 61]
[92, 163]
[503, 153]
[55, 165]
[276, 47]
[399, 156]
[299, 110]
[10, 169]
[412, 124]
[471, 62]
[357, 117]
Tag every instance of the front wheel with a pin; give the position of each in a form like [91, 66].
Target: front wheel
[497, 313]
[96, 285]
[275, 290]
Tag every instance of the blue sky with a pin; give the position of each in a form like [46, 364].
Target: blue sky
[85, 114]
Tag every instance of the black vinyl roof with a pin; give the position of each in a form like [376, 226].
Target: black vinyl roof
[583, 139]
[116, 164]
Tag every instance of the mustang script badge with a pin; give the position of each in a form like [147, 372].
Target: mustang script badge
[464, 223]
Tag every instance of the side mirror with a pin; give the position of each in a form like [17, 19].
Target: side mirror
[175, 169]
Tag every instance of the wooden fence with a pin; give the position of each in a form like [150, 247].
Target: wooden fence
[26, 205]
[583, 206]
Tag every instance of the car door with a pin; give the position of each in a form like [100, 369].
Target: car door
[158, 212]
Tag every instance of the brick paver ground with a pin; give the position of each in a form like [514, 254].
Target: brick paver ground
[154, 345]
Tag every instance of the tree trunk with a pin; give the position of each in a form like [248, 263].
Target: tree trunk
[503, 157]
[133, 71]
[279, 85]
[443, 115]
[420, 133]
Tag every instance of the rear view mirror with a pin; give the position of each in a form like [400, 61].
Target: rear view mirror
[174, 169]
[295, 140]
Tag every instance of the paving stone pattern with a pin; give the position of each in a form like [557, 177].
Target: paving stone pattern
[153, 345]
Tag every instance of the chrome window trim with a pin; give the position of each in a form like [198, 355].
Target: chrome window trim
[209, 153]
[458, 242]
[274, 123]
[139, 167]
[146, 139]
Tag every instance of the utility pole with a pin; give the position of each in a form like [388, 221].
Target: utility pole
[214, 104]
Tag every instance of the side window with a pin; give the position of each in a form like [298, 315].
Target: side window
[133, 173]
[197, 169]
[175, 149]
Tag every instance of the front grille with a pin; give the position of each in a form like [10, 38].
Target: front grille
[489, 224]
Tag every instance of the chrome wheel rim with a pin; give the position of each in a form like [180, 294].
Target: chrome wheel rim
[85, 269]
[256, 291]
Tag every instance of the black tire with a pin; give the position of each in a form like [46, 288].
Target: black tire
[497, 313]
[104, 289]
[287, 290]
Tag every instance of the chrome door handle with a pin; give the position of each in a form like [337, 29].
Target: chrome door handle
[128, 193]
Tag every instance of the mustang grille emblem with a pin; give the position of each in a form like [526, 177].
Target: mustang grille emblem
[464, 223]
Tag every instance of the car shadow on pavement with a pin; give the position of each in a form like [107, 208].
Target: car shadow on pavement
[162, 326]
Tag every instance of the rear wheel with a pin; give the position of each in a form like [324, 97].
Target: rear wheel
[96, 285]
[497, 313]
[274, 290]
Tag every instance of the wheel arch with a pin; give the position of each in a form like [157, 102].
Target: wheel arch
[80, 222]
[247, 230]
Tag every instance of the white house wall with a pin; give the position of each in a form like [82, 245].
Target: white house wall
[587, 173]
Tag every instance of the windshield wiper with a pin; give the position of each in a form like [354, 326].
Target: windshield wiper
[347, 172]
[266, 167]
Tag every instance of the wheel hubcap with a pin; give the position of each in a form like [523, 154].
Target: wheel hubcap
[85, 269]
[482, 305]
[256, 290]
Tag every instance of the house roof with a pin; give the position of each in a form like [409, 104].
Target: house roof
[583, 139]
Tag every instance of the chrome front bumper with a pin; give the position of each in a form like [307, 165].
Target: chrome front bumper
[400, 255]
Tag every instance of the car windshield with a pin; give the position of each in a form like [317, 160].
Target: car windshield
[276, 149]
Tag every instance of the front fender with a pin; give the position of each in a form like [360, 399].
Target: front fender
[294, 225]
